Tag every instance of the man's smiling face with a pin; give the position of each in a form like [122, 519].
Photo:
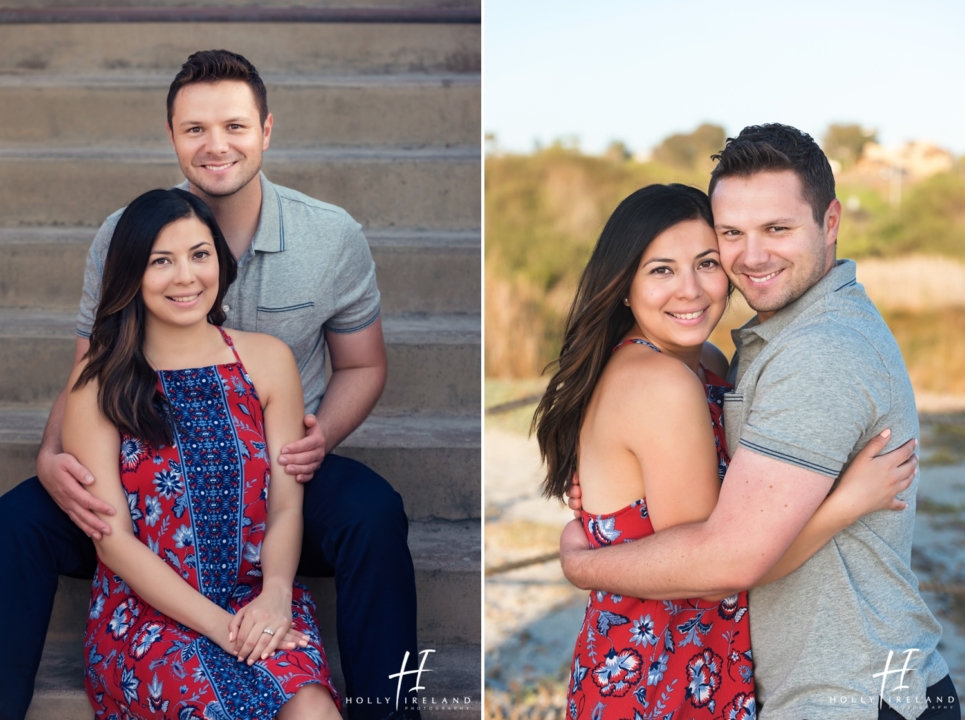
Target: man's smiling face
[770, 245]
[218, 136]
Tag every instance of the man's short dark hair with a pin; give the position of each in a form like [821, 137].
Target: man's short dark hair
[209, 66]
[775, 147]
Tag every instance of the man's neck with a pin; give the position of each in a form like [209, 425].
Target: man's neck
[237, 214]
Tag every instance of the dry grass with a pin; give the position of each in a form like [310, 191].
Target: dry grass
[521, 326]
[933, 345]
[918, 283]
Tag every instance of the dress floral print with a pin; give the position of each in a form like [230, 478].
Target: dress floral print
[661, 659]
[201, 506]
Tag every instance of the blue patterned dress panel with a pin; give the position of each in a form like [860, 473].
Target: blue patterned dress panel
[213, 466]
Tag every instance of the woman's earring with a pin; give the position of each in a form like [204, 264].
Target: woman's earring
[626, 301]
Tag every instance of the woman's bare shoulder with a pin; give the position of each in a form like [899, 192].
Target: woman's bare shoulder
[653, 383]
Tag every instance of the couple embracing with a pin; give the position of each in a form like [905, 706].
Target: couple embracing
[698, 479]
[179, 468]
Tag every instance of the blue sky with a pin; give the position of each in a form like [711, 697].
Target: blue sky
[608, 70]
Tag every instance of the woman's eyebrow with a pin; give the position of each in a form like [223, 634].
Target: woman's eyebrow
[193, 247]
[671, 260]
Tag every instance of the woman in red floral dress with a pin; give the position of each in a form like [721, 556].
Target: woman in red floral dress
[635, 408]
[194, 612]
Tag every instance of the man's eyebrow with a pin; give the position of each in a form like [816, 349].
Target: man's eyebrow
[769, 223]
[229, 121]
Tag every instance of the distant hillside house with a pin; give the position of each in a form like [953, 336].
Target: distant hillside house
[917, 160]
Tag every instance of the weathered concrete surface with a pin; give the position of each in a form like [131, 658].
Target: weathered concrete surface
[129, 110]
[385, 187]
[309, 48]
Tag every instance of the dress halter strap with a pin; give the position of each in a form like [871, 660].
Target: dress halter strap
[227, 339]
[635, 341]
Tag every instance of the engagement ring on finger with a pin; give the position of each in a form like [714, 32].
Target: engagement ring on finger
[270, 632]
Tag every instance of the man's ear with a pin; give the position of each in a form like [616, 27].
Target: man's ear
[266, 130]
[832, 222]
[167, 126]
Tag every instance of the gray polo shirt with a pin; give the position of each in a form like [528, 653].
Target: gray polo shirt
[308, 270]
[813, 385]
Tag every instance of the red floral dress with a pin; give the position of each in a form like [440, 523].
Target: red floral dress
[200, 505]
[681, 659]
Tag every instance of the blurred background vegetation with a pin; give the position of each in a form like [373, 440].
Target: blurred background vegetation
[904, 222]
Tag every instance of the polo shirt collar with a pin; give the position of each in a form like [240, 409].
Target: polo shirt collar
[270, 236]
[840, 276]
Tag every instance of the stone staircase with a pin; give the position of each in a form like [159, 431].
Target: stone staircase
[382, 118]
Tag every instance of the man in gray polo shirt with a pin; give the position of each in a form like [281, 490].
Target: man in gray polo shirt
[305, 275]
[816, 376]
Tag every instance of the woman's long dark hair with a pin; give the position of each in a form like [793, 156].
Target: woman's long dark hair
[598, 319]
[127, 391]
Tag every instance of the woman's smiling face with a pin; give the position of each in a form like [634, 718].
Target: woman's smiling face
[680, 290]
[180, 283]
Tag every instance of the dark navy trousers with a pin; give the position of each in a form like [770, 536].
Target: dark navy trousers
[355, 530]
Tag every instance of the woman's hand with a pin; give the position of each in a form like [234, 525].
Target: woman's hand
[872, 483]
[272, 610]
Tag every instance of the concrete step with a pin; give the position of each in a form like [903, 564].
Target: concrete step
[387, 187]
[434, 360]
[418, 271]
[59, 692]
[128, 110]
[432, 461]
[427, 271]
[434, 363]
[273, 47]
[447, 560]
